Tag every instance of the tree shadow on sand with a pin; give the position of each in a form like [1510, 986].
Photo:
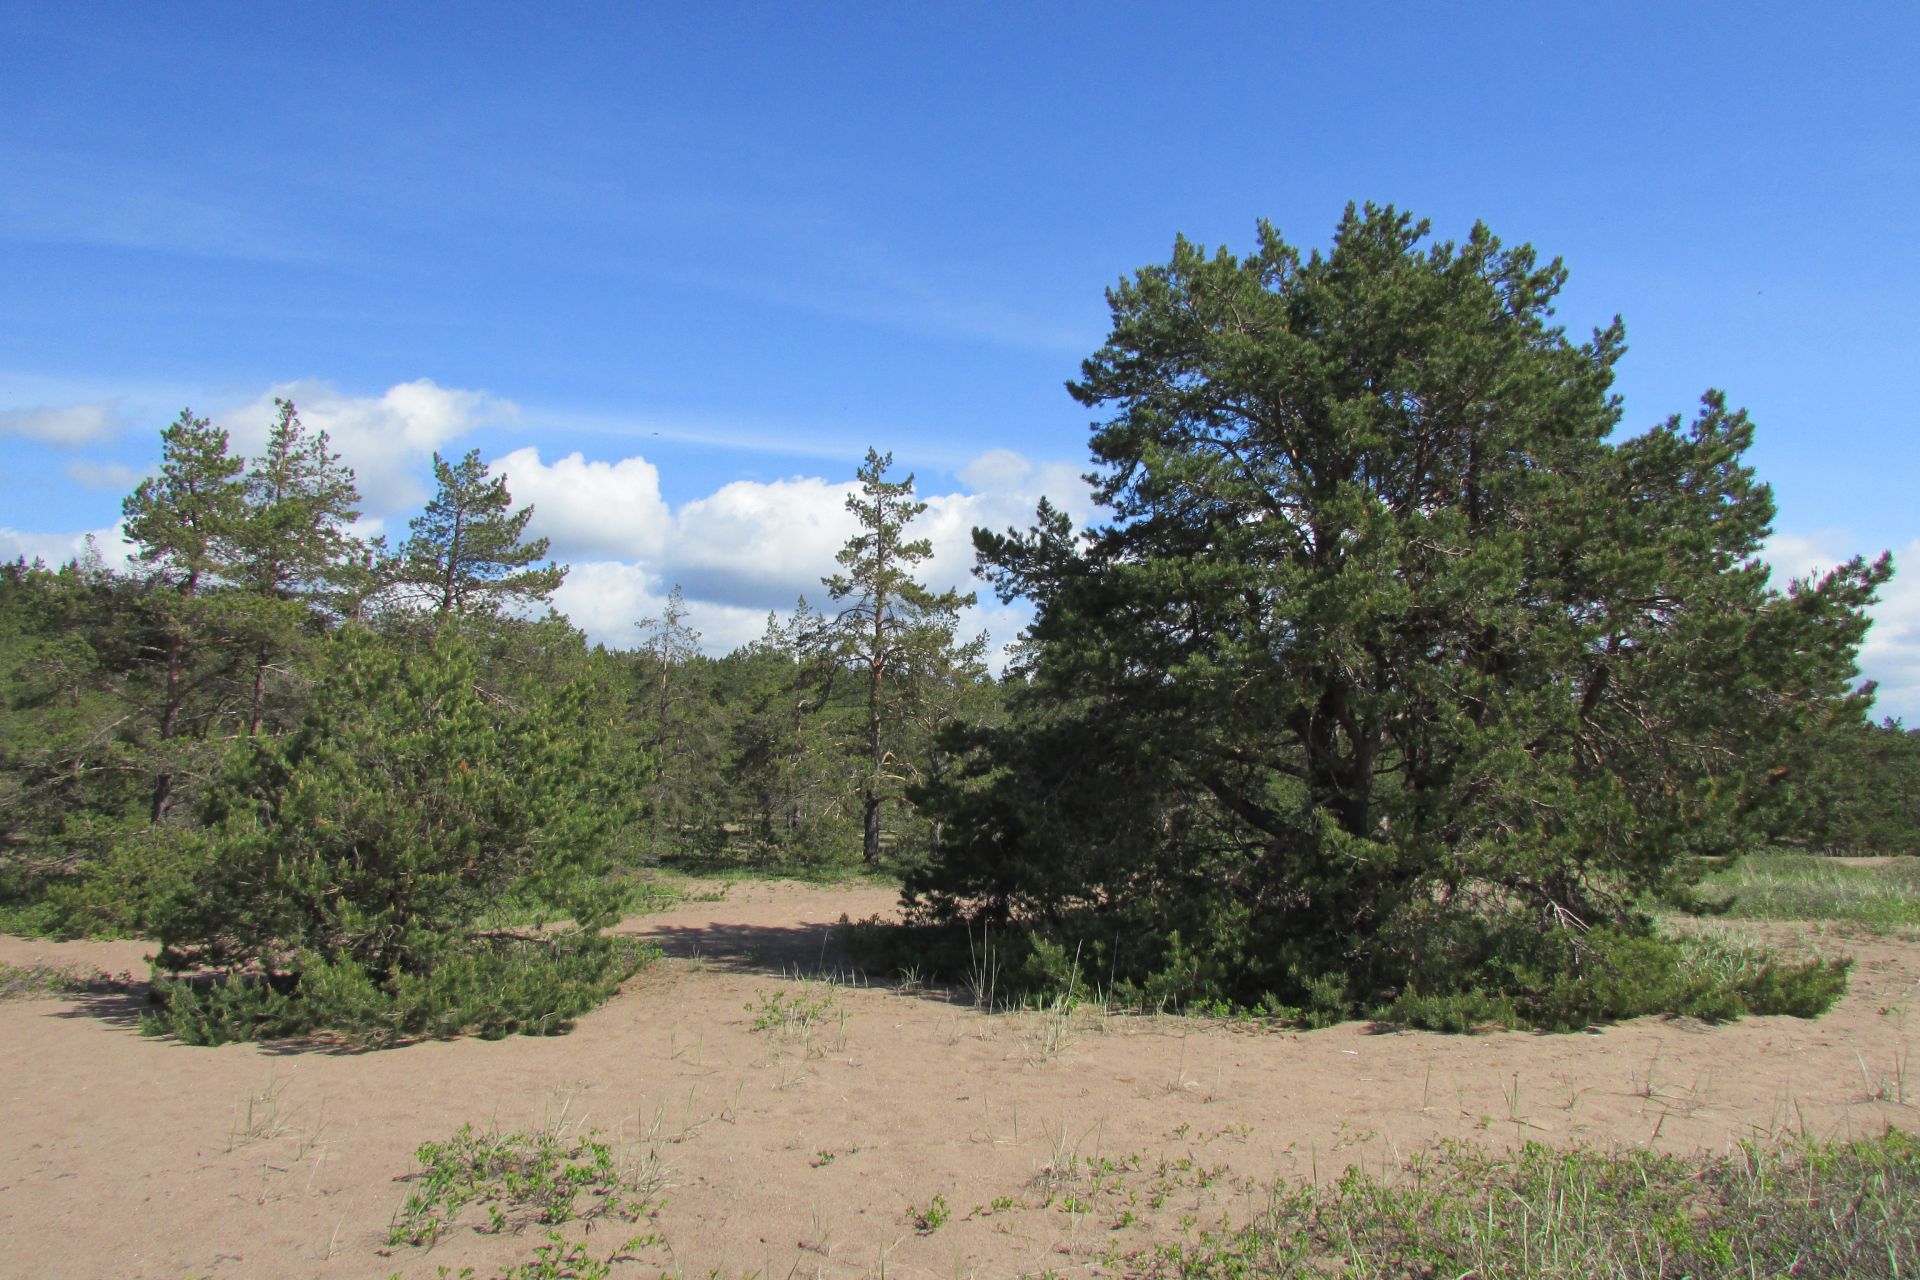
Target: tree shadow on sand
[809, 947]
[118, 1002]
[810, 950]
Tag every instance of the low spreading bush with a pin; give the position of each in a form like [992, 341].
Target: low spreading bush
[1553, 980]
[518, 986]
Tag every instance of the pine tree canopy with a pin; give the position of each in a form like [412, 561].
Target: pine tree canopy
[466, 553]
[1387, 633]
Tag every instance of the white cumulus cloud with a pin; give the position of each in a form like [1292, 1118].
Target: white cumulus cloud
[384, 438]
[1890, 655]
[752, 547]
[589, 509]
[753, 542]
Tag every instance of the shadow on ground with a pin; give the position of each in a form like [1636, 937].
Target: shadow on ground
[116, 1004]
[809, 948]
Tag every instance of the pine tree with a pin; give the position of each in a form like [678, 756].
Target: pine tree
[1389, 659]
[183, 523]
[894, 634]
[677, 736]
[406, 803]
[785, 771]
[71, 768]
[293, 547]
[466, 554]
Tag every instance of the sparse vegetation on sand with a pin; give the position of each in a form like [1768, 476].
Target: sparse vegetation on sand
[1882, 895]
[1844, 1209]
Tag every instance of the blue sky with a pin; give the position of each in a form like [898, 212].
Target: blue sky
[718, 250]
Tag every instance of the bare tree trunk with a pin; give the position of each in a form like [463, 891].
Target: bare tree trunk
[259, 692]
[870, 841]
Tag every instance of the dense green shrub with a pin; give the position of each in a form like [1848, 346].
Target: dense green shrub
[1563, 982]
[342, 869]
[1558, 981]
[513, 986]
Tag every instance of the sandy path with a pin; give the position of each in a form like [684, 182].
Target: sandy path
[124, 1156]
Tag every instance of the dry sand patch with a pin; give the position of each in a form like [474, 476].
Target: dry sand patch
[809, 1152]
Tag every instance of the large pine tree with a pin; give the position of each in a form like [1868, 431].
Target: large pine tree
[293, 547]
[1388, 648]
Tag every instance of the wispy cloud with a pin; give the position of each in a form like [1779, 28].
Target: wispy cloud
[110, 476]
[68, 426]
[791, 440]
[870, 289]
[67, 199]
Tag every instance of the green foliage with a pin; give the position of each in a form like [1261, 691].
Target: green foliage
[1798, 886]
[77, 755]
[292, 558]
[1483, 974]
[523, 1178]
[1854, 789]
[790, 1016]
[356, 855]
[1842, 1209]
[113, 677]
[494, 988]
[182, 523]
[465, 554]
[1566, 982]
[407, 802]
[1386, 646]
[895, 637]
[134, 874]
[22, 981]
[782, 774]
[300, 503]
[932, 1217]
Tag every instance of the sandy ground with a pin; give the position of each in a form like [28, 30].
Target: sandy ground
[1055, 1144]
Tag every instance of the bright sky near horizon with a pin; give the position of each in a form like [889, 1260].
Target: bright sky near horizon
[673, 268]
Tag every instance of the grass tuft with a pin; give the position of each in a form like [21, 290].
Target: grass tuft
[1883, 897]
[1805, 1209]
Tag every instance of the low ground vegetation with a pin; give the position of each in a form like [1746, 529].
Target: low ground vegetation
[1563, 981]
[1883, 896]
[1776, 1208]
[1796, 1209]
